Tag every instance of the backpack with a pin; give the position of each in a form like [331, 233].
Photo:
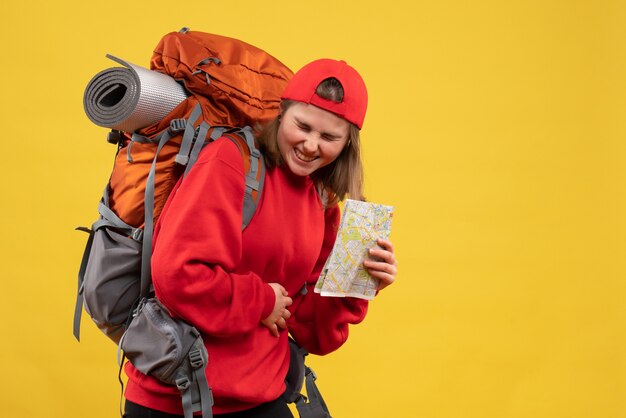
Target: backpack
[231, 84]
[231, 87]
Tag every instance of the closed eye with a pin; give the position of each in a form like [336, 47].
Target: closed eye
[303, 126]
[327, 136]
[330, 137]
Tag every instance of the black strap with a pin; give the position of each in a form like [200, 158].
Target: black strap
[119, 378]
[315, 407]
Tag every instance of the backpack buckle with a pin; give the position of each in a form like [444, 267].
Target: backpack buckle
[114, 137]
[177, 125]
[310, 371]
[195, 358]
[182, 383]
[304, 290]
[181, 159]
[137, 235]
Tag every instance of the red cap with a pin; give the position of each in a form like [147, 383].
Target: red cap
[302, 88]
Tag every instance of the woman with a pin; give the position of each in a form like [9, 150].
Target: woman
[246, 291]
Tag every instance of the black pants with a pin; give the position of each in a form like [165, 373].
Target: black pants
[274, 409]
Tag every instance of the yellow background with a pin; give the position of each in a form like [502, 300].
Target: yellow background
[496, 128]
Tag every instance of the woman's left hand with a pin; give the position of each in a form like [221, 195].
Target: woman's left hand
[382, 263]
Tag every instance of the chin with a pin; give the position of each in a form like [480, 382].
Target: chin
[299, 171]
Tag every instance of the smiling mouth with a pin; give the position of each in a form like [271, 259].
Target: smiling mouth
[303, 157]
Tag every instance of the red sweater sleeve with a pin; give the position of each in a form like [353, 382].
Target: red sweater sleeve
[198, 244]
[320, 323]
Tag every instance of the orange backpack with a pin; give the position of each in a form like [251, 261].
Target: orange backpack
[235, 84]
[231, 84]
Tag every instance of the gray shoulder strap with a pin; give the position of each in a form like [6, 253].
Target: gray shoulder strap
[148, 228]
[254, 178]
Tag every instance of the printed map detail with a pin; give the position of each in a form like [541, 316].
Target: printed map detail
[362, 223]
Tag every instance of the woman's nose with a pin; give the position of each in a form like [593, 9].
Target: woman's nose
[310, 142]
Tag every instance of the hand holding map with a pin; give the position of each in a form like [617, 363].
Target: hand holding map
[362, 223]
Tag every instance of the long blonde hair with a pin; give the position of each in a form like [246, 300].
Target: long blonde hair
[344, 176]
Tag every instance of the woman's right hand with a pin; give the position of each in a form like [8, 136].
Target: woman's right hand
[278, 318]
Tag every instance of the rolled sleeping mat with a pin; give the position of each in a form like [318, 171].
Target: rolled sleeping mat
[131, 97]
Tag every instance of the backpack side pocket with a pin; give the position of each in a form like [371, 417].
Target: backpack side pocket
[112, 280]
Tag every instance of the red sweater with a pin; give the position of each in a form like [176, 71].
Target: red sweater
[209, 273]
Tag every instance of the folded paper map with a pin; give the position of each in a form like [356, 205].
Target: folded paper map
[362, 223]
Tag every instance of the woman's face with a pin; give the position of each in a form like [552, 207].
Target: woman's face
[310, 138]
